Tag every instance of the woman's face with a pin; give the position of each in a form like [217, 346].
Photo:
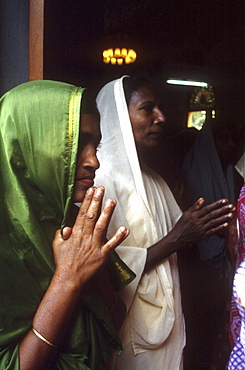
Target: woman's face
[146, 118]
[87, 162]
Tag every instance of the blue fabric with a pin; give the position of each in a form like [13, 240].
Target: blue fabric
[204, 177]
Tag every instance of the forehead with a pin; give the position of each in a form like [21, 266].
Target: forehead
[90, 123]
[90, 126]
[144, 93]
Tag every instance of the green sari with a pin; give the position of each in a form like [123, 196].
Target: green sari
[39, 129]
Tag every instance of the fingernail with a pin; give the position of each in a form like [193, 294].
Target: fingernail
[109, 202]
[90, 191]
[99, 191]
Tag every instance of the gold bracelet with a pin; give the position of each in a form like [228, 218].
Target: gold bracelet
[43, 339]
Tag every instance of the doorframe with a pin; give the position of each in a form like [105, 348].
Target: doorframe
[36, 40]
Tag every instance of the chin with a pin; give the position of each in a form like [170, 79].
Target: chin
[78, 196]
[153, 144]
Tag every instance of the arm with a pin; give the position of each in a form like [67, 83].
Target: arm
[77, 259]
[197, 223]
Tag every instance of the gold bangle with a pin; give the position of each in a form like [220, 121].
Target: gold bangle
[43, 339]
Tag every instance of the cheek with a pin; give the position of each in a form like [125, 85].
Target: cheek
[139, 129]
[79, 158]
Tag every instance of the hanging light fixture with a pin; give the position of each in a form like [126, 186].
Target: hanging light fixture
[119, 56]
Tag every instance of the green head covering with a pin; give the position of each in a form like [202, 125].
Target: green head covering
[39, 129]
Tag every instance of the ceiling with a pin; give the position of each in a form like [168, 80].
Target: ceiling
[173, 38]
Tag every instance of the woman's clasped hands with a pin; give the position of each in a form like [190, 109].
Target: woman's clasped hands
[82, 250]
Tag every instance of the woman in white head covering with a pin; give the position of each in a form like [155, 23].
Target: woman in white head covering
[153, 335]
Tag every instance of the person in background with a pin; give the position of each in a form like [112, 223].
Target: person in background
[237, 318]
[208, 171]
[54, 314]
[153, 334]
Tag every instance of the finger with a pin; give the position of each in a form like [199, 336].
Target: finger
[79, 222]
[94, 211]
[197, 205]
[102, 224]
[226, 210]
[116, 240]
[217, 230]
[213, 206]
[219, 222]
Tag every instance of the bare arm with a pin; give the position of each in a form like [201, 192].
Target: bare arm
[77, 259]
[197, 223]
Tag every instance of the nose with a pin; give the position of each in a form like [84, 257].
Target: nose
[89, 161]
[92, 161]
[159, 116]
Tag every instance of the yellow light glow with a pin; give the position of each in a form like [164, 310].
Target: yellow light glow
[110, 53]
[127, 60]
[119, 56]
[117, 52]
[132, 53]
[124, 52]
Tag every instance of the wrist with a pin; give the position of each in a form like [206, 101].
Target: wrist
[66, 282]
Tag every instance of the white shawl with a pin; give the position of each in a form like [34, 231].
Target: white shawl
[147, 207]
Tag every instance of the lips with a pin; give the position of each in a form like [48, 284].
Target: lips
[156, 133]
[87, 182]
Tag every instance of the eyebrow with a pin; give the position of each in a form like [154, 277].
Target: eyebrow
[151, 102]
[85, 137]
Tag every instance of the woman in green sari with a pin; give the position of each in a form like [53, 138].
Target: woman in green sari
[54, 312]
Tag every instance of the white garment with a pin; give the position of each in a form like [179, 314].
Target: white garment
[153, 335]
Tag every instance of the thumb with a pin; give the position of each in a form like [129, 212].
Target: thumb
[66, 232]
[197, 205]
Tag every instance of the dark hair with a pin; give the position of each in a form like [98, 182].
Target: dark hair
[88, 104]
[134, 83]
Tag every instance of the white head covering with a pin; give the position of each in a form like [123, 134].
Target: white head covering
[147, 207]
